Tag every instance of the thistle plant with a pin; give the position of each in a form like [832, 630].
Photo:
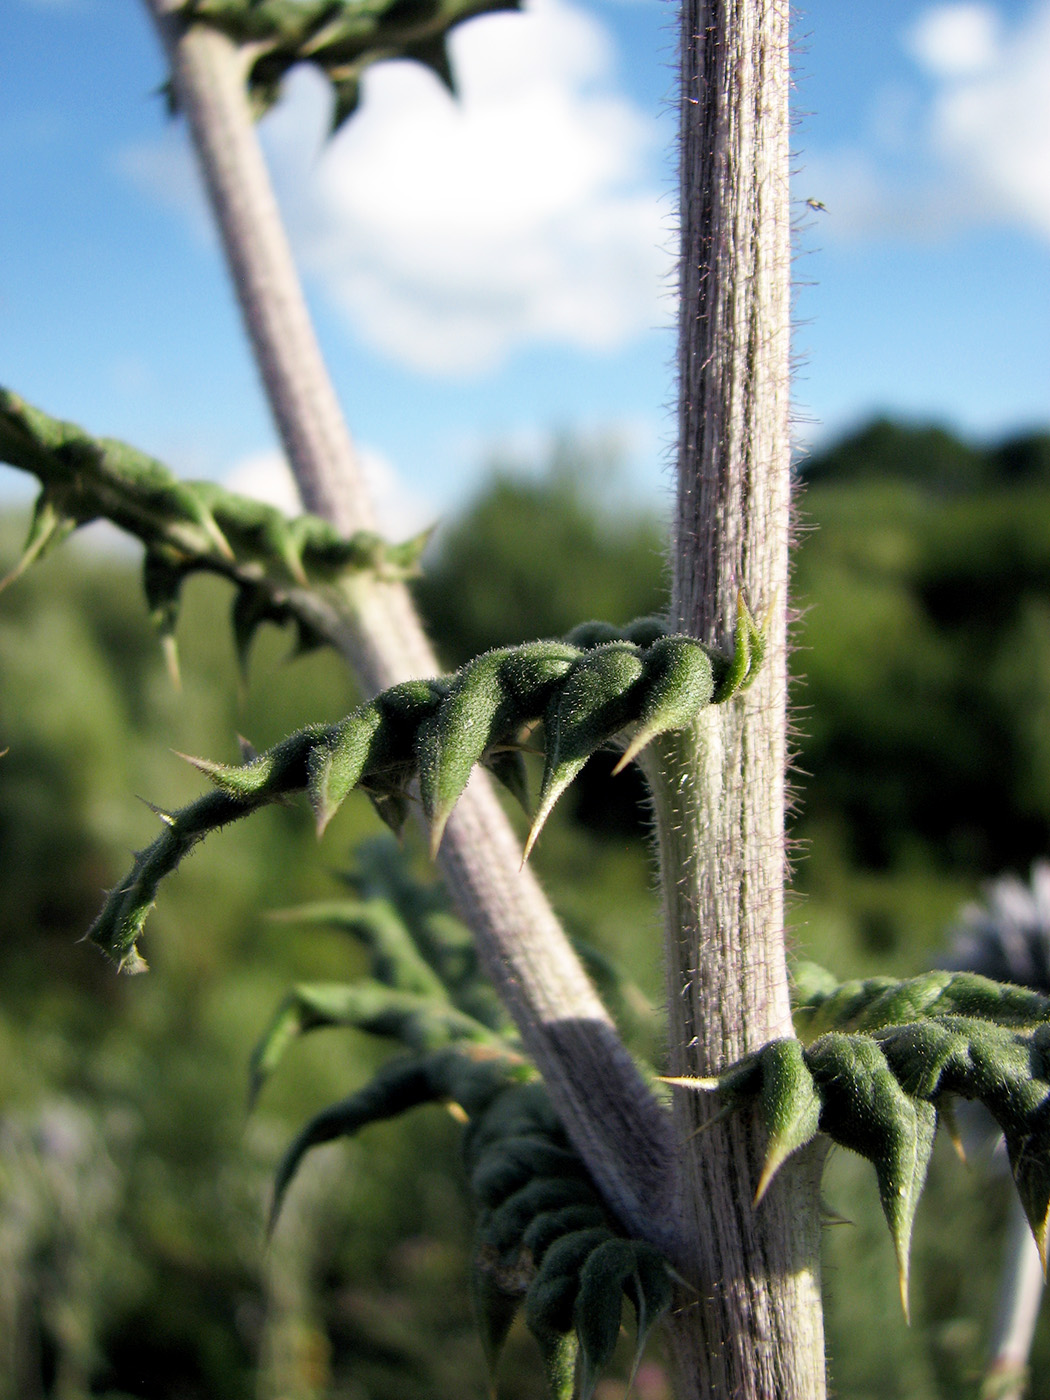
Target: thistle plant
[589, 1188]
[545, 1243]
[1007, 936]
[283, 570]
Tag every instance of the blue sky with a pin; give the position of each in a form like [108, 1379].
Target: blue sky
[487, 274]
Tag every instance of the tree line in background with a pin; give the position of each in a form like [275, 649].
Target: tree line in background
[131, 1246]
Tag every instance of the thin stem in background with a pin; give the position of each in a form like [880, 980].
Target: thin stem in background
[1017, 1309]
[613, 1119]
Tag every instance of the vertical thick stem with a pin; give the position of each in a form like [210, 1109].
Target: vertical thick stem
[613, 1119]
[755, 1330]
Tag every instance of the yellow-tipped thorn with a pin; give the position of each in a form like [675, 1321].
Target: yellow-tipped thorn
[713, 1122]
[171, 660]
[830, 1216]
[458, 1112]
[902, 1281]
[706, 1086]
[294, 565]
[946, 1114]
[682, 1282]
[323, 814]
[530, 840]
[166, 817]
[217, 538]
[207, 766]
[1040, 1242]
[19, 569]
[773, 1163]
[539, 821]
[437, 830]
[632, 750]
[132, 963]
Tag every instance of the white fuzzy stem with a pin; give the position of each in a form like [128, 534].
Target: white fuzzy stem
[1020, 1293]
[613, 1119]
[755, 1329]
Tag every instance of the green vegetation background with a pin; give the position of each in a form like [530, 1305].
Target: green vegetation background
[132, 1180]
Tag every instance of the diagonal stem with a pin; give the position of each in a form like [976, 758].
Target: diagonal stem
[612, 1117]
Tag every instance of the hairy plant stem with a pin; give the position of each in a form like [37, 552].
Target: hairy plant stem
[613, 1119]
[755, 1330]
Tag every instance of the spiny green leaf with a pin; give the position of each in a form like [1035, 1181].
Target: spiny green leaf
[372, 747]
[420, 1023]
[442, 1076]
[788, 1105]
[681, 682]
[486, 704]
[512, 1163]
[414, 942]
[551, 1300]
[162, 579]
[496, 1294]
[395, 1088]
[48, 527]
[559, 1351]
[432, 728]
[599, 1308]
[1030, 1162]
[191, 526]
[552, 1225]
[904, 1051]
[518, 1111]
[749, 648]
[591, 706]
[378, 926]
[865, 1109]
[616, 1268]
[251, 608]
[510, 1219]
[886, 1001]
[1005, 1068]
[507, 766]
[341, 37]
[653, 1287]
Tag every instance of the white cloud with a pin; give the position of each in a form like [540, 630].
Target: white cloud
[979, 145]
[955, 40]
[992, 125]
[451, 232]
[265, 476]
[400, 513]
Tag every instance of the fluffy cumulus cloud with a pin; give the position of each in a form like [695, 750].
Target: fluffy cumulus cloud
[972, 146]
[991, 111]
[955, 41]
[523, 213]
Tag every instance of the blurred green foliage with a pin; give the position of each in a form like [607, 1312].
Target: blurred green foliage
[923, 704]
[536, 552]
